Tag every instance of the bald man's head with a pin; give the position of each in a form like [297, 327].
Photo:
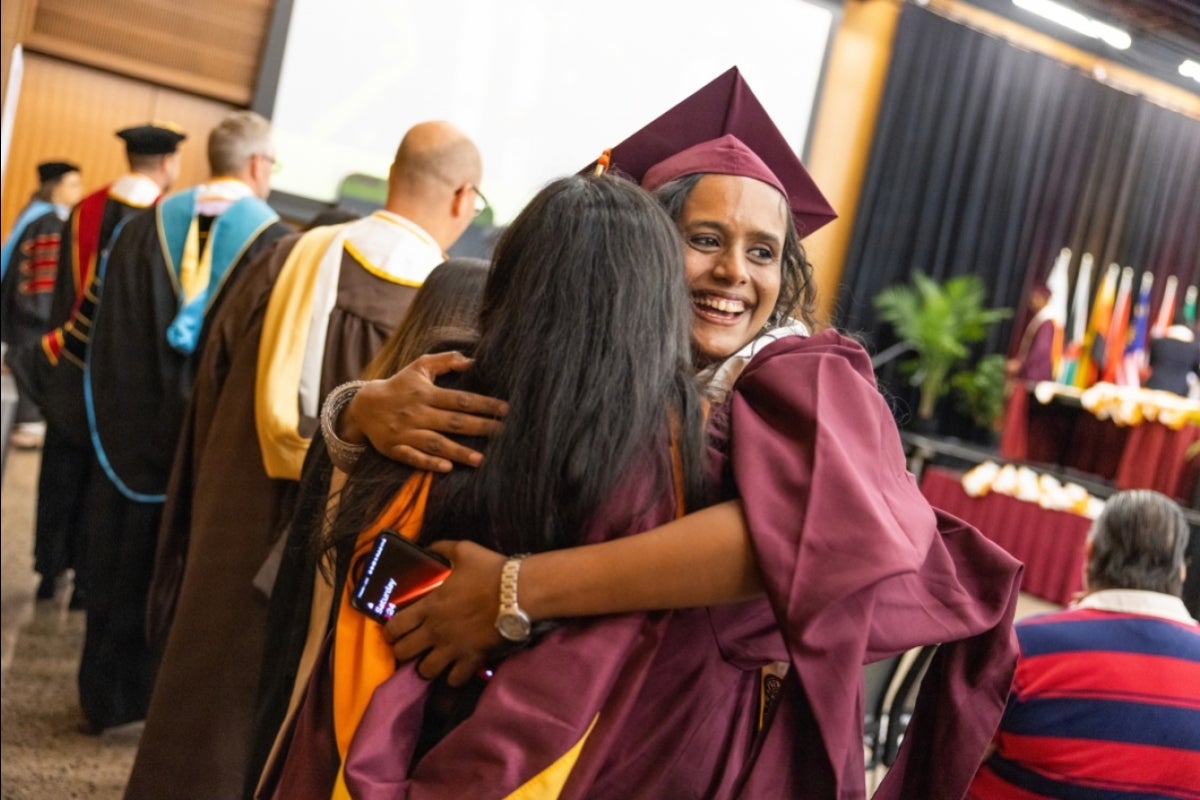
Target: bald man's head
[437, 167]
[432, 156]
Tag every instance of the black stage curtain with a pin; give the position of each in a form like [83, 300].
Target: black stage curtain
[988, 159]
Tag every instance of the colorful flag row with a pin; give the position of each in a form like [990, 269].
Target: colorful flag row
[1111, 342]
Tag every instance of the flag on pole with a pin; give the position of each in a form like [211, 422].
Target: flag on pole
[1089, 360]
[1073, 349]
[1166, 309]
[1056, 305]
[1114, 341]
[1189, 307]
[1135, 362]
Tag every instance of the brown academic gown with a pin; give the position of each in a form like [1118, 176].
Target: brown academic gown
[223, 515]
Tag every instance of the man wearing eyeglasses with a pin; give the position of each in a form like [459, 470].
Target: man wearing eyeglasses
[306, 316]
[164, 272]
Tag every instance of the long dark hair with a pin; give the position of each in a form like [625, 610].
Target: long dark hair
[585, 333]
[797, 290]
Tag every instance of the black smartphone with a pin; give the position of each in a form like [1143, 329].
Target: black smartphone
[393, 573]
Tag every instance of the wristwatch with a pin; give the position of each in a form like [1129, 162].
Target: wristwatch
[512, 623]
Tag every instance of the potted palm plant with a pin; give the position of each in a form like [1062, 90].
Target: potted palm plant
[939, 322]
[980, 392]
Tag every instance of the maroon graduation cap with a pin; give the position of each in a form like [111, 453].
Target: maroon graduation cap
[723, 129]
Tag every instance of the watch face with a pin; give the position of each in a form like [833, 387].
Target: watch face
[513, 626]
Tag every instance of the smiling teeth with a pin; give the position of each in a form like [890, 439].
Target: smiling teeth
[722, 304]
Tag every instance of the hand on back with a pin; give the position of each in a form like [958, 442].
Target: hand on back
[405, 416]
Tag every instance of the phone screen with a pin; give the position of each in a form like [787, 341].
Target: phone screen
[393, 573]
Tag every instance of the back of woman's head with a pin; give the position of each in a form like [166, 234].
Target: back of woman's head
[585, 332]
[590, 274]
[445, 308]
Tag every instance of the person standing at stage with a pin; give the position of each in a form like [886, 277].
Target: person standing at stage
[1034, 359]
[1105, 701]
[32, 252]
[1175, 360]
[164, 275]
[51, 369]
[304, 318]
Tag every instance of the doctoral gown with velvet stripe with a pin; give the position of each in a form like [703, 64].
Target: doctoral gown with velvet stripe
[26, 293]
[51, 371]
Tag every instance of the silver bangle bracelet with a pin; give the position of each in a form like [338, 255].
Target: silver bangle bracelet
[343, 454]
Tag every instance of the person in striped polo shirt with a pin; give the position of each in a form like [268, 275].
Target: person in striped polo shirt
[1105, 702]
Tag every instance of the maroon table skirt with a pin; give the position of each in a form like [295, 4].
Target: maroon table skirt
[1049, 543]
[1145, 456]
[1155, 457]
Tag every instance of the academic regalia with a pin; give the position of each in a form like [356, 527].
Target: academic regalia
[51, 371]
[337, 292]
[291, 609]
[856, 566]
[29, 213]
[47, 171]
[166, 267]
[27, 287]
[86, 233]
[1035, 351]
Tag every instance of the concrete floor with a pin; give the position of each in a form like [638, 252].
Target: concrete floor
[42, 754]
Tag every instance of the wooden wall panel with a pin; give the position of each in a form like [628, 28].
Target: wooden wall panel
[854, 82]
[210, 48]
[69, 111]
[14, 24]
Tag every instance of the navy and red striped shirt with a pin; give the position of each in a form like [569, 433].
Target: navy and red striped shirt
[1104, 704]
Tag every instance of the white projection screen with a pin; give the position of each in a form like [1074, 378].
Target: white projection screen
[543, 86]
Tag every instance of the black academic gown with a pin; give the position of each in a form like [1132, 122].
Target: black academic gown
[50, 370]
[26, 292]
[1171, 360]
[138, 386]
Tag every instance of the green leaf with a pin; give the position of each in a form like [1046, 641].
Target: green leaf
[940, 321]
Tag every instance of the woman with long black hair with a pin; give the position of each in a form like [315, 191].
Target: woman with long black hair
[603, 437]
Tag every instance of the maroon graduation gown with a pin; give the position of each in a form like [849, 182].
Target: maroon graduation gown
[857, 567]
